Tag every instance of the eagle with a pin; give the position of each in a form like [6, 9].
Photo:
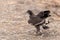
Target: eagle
[39, 19]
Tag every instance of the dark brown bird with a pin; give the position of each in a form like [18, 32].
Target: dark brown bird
[38, 20]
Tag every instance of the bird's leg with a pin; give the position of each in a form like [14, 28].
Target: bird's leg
[45, 25]
[38, 29]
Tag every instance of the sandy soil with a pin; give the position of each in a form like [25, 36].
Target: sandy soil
[13, 19]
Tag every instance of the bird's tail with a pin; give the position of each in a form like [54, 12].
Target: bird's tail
[30, 12]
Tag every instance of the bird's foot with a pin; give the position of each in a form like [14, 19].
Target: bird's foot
[45, 27]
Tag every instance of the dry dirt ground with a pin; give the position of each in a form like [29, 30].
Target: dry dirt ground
[13, 19]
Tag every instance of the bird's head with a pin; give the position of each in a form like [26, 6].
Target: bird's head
[46, 14]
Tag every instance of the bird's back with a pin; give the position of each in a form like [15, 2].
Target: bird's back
[35, 20]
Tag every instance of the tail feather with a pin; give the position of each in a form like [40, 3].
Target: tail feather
[30, 12]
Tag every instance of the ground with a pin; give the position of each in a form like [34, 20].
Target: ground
[13, 19]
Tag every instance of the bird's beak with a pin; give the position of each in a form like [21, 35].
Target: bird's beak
[49, 15]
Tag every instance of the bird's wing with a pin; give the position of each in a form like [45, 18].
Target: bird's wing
[41, 14]
[42, 22]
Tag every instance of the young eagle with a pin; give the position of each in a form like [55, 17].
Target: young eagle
[39, 19]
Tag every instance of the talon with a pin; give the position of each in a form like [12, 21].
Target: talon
[45, 27]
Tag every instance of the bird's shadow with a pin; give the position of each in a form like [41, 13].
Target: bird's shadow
[51, 33]
[31, 32]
